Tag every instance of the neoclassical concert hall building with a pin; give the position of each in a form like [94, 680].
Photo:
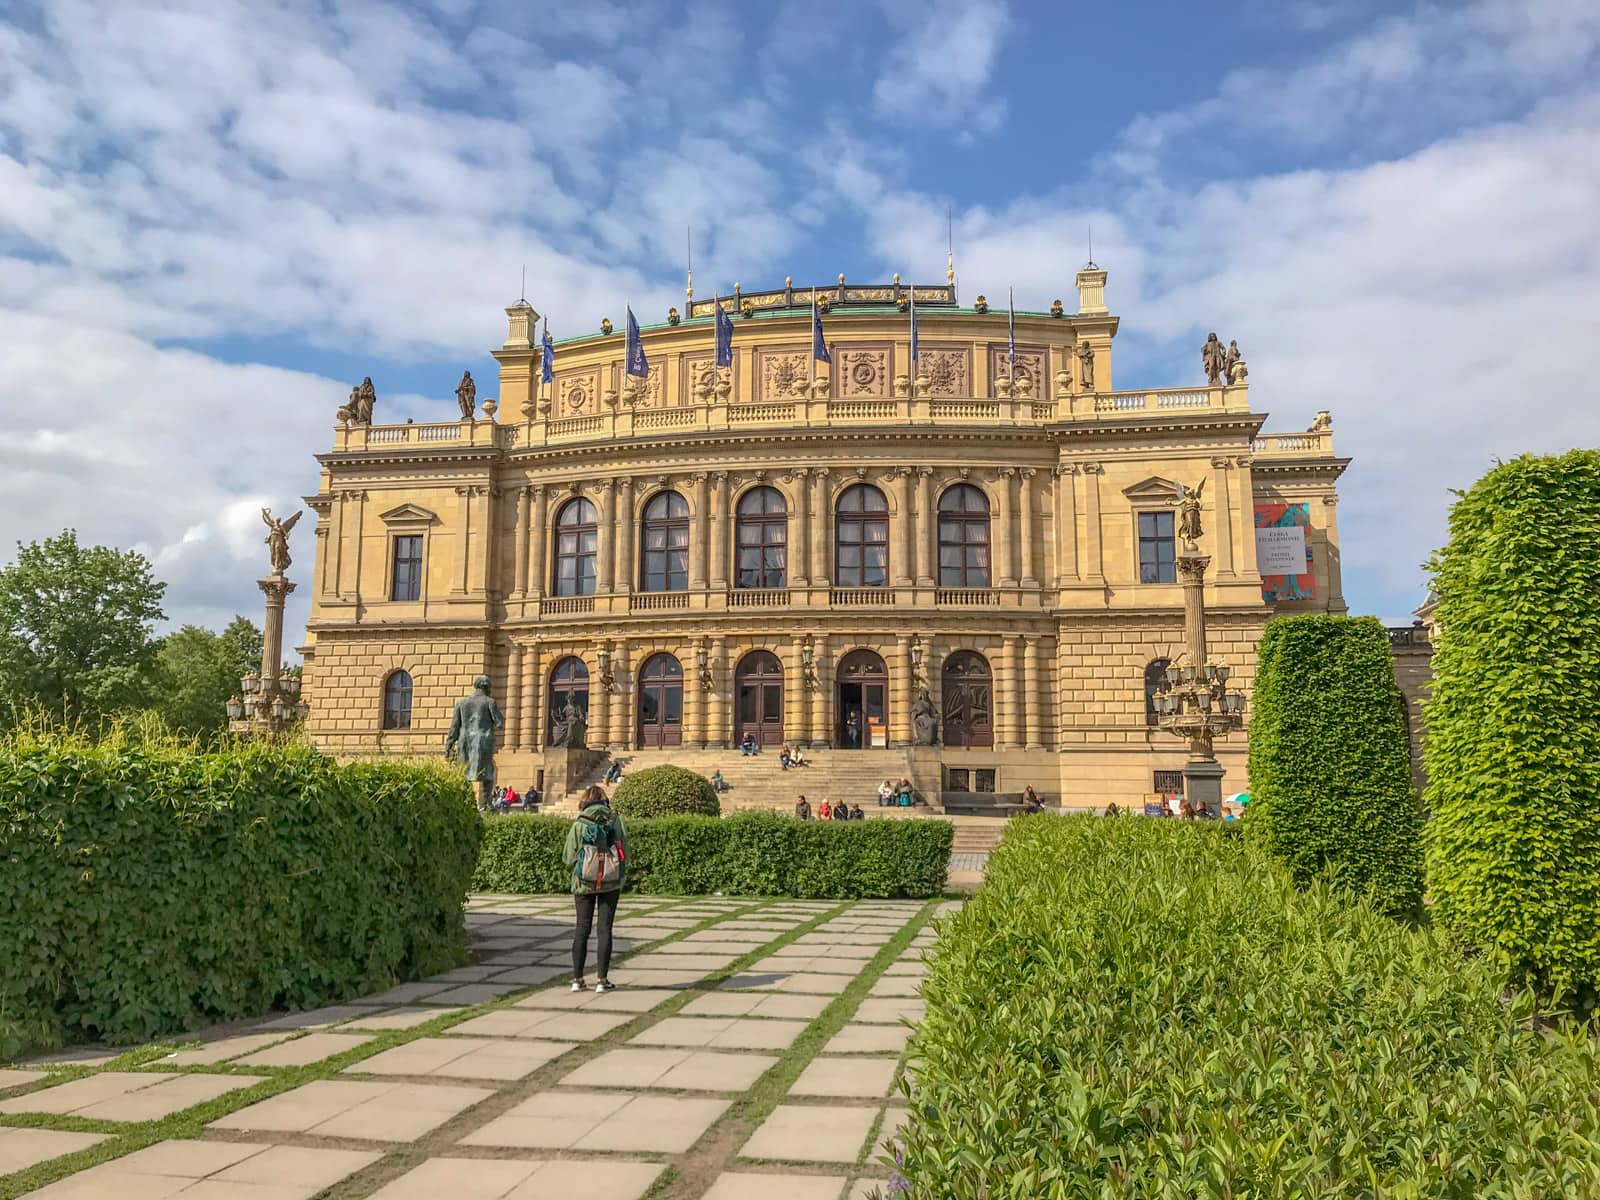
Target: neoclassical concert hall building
[793, 549]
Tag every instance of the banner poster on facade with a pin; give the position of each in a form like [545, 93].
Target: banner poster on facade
[1282, 556]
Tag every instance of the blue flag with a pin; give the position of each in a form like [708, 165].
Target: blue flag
[819, 347]
[637, 364]
[547, 357]
[1011, 331]
[724, 337]
[913, 327]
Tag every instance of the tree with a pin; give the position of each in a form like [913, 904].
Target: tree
[1513, 723]
[1330, 775]
[197, 671]
[76, 627]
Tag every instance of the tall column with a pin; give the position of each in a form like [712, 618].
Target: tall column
[695, 687]
[720, 537]
[531, 739]
[789, 656]
[824, 721]
[483, 528]
[627, 573]
[1066, 531]
[1330, 534]
[1202, 774]
[538, 539]
[598, 691]
[1222, 517]
[463, 532]
[1005, 547]
[905, 553]
[821, 522]
[700, 548]
[514, 731]
[1094, 565]
[276, 589]
[722, 696]
[333, 546]
[1247, 517]
[606, 535]
[359, 523]
[900, 705]
[519, 571]
[1030, 693]
[1030, 577]
[806, 698]
[798, 556]
[1007, 726]
[928, 534]
[625, 714]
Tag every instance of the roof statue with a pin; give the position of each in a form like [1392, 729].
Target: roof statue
[467, 395]
[277, 540]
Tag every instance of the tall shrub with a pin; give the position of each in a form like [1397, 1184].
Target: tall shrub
[666, 791]
[1513, 722]
[1330, 783]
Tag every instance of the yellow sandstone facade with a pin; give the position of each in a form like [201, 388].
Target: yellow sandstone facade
[795, 551]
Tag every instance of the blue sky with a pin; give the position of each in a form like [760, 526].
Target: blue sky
[216, 217]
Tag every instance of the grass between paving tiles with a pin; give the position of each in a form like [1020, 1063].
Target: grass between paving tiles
[127, 1137]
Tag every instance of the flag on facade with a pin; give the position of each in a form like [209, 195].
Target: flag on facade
[913, 326]
[547, 357]
[819, 347]
[724, 337]
[637, 364]
[1011, 330]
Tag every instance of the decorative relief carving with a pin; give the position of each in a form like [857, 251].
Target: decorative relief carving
[1030, 366]
[948, 370]
[577, 392]
[778, 372]
[864, 371]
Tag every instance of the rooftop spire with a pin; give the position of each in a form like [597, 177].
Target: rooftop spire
[688, 284]
[950, 247]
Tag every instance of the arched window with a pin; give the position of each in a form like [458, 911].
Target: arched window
[397, 701]
[1154, 675]
[665, 556]
[763, 531]
[963, 537]
[577, 535]
[569, 680]
[861, 538]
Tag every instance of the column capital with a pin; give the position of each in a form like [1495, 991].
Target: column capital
[1004, 472]
[1244, 460]
[1330, 500]
[719, 477]
[1221, 463]
[925, 472]
[1026, 472]
[1066, 468]
[626, 483]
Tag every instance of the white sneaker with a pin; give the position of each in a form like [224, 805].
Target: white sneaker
[605, 985]
[579, 985]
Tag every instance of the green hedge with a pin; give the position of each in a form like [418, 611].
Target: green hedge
[148, 889]
[1513, 723]
[748, 854]
[666, 791]
[1330, 773]
[1147, 1008]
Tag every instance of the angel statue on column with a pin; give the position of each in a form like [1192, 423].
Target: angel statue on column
[1189, 514]
[277, 539]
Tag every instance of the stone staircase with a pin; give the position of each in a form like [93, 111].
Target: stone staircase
[757, 782]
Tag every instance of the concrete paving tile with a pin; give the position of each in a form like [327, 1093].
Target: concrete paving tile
[822, 964]
[376, 1111]
[895, 985]
[405, 1017]
[812, 1133]
[404, 993]
[542, 1023]
[23, 1148]
[686, 1070]
[776, 981]
[743, 1185]
[894, 1120]
[867, 1078]
[472, 993]
[663, 961]
[297, 1166]
[625, 976]
[856, 954]
[868, 1039]
[10, 1079]
[213, 1171]
[822, 938]
[721, 1033]
[461, 975]
[890, 1010]
[663, 1124]
[631, 1000]
[901, 967]
[570, 1119]
[78, 1056]
[463, 1058]
[317, 1018]
[505, 1179]
[226, 1048]
[756, 1004]
[528, 976]
[127, 1095]
[302, 1051]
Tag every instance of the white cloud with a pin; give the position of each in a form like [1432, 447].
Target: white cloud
[938, 71]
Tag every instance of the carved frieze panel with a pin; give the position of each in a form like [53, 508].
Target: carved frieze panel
[864, 370]
[948, 368]
[777, 371]
[577, 393]
[652, 391]
[1030, 364]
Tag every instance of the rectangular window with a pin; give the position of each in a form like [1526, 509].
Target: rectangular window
[983, 779]
[1169, 783]
[1158, 561]
[407, 569]
[956, 779]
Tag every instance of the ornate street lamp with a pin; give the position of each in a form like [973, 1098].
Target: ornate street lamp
[808, 663]
[702, 666]
[608, 677]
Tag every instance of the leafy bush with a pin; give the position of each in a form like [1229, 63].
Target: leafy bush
[146, 888]
[1513, 723]
[1330, 774]
[666, 791]
[751, 854]
[1146, 1008]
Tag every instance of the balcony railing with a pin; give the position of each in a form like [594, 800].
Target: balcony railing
[555, 606]
[860, 597]
[1293, 443]
[966, 597]
[758, 598]
[648, 601]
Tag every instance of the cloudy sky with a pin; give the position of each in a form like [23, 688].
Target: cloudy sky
[216, 216]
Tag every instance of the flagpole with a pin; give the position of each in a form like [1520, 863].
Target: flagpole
[810, 391]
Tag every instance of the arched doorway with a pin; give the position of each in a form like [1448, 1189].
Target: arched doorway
[661, 702]
[758, 688]
[569, 680]
[968, 687]
[862, 684]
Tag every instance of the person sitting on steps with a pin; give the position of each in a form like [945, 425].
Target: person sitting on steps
[718, 783]
[841, 811]
[885, 794]
[613, 772]
[748, 746]
[783, 759]
[802, 809]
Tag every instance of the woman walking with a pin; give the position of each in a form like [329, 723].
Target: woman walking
[597, 854]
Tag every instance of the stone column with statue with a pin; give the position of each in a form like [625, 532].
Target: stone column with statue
[270, 705]
[474, 727]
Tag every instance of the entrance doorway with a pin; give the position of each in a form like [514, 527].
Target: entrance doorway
[863, 707]
[661, 702]
[968, 700]
[758, 688]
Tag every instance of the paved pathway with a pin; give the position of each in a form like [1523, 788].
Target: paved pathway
[752, 1050]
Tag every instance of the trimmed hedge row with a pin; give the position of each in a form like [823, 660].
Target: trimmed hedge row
[747, 854]
[1330, 772]
[665, 791]
[1147, 1008]
[151, 888]
[1513, 721]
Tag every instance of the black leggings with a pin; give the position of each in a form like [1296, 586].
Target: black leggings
[606, 902]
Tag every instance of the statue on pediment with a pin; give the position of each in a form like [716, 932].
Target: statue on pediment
[467, 395]
[1086, 366]
[1214, 359]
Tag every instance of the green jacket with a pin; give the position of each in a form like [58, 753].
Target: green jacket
[619, 836]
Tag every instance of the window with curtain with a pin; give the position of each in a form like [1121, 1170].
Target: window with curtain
[397, 701]
[963, 537]
[762, 524]
[577, 540]
[861, 538]
[664, 556]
